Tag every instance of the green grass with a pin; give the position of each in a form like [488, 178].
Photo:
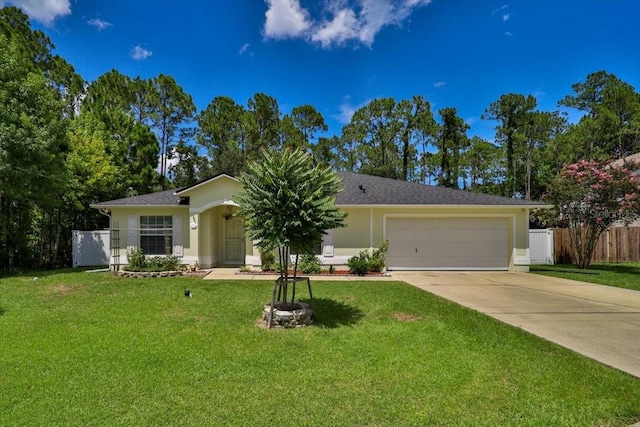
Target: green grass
[624, 275]
[90, 349]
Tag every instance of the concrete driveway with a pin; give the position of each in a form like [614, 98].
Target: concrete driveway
[600, 322]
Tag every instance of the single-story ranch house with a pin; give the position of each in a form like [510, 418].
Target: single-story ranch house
[427, 227]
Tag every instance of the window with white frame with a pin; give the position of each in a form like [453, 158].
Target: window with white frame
[156, 235]
[316, 250]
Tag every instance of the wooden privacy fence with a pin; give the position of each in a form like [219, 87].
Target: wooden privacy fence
[618, 244]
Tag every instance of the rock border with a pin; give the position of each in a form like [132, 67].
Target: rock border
[298, 318]
[147, 274]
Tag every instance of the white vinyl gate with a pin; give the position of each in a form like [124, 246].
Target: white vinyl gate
[541, 246]
[90, 248]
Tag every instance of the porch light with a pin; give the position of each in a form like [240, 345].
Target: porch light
[228, 214]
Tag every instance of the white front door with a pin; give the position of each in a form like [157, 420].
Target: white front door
[233, 241]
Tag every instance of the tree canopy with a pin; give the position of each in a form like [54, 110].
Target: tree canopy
[288, 201]
[591, 196]
[66, 143]
[33, 139]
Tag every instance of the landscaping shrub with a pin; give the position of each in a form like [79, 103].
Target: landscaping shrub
[378, 259]
[139, 262]
[278, 267]
[173, 262]
[163, 263]
[310, 264]
[155, 263]
[364, 263]
[359, 264]
[268, 260]
[136, 259]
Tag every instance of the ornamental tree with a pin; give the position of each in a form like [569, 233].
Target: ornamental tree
[288, 204]
[591, 196]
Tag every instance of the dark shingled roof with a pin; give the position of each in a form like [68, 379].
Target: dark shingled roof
[385, 191]
[377, 191]
[161, 198]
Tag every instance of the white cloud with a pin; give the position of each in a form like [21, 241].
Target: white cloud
[339, 21]
[172, 161]
[508, 34]
[375, 15]
[416, 3]
[505, 17]
[45, 11]
[500, 9]
[285, 19]
[99, 23]
[343, 27]
[244, 48]
[439, 84]
[345, 114]
[139, 53]
[347, 110]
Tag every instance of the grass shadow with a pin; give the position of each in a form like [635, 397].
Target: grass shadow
[333, 314]
[2, 311]
[617, 268]
[627, 268]
[24, 272]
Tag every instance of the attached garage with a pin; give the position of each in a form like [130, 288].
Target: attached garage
[451, 243]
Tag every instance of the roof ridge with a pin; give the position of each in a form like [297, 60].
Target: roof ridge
[360, 189]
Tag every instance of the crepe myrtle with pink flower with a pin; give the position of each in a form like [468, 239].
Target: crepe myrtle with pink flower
[589, 197]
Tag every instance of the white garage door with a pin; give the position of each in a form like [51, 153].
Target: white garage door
[448, 243]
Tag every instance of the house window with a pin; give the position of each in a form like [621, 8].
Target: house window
[155, 235]
[317, 249]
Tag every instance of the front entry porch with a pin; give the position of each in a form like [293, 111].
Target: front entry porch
[221, 237]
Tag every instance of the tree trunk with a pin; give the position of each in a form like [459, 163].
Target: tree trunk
[583, 241]
[4, 232]
[527, 190]
[405, 155]
[295, 276]
[56, 240]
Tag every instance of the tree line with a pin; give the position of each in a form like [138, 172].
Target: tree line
[66, 143]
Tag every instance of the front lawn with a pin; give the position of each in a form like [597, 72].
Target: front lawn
[91, 349]
[623, 275]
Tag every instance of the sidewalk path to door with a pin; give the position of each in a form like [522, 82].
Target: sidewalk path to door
[232, 274]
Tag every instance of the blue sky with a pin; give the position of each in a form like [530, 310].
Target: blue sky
[337, 55]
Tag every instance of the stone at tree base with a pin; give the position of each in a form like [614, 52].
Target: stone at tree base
[284, 317]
